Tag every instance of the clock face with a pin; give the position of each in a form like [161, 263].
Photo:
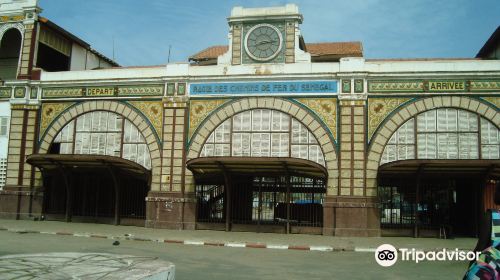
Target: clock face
[263, 42]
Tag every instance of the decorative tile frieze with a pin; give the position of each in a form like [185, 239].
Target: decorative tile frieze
[5, 92]
[199, 110]
[62, 92]
[485, 85]
[170, 89]
[153, 90]
[49, 112]
[24, 107]
[379, 109]
[34, 93]
[104, 91]
[346, 86]
[11, 18]
[359, 86]
[395, 86]
[433, 86]
[20, 92]
[325, 109]
[153, 110]
[181, 88]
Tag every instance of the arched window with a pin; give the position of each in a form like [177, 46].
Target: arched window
[10, 49]
[263, 133]
[445, 133]
[103, 133]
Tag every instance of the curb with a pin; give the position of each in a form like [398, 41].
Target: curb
[252, 245]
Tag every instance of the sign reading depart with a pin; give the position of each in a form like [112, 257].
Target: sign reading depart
[263, 87]
[97, 91]
[447, 86]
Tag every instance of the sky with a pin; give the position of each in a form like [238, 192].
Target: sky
[143, 30]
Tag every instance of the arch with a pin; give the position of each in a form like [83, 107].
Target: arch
[123, 109]
[312, 122]
[4, 28]
[11, 45]
[410, 110]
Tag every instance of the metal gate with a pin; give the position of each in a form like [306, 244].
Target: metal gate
[264, 200]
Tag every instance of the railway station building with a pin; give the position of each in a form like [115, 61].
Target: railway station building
[269, 133]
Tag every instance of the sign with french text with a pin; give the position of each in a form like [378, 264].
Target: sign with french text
[285, 87]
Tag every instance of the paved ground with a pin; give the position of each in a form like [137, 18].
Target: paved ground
[349, 259]
[208, 262]
[297, 241]
[88, 266]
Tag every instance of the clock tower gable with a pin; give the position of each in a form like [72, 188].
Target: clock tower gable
[265, 35]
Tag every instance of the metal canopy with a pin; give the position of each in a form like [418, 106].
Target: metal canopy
[76, 163]
[459, 167]
[256, 165]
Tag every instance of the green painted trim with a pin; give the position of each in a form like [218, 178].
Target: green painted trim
[492, 104]
[158, 140]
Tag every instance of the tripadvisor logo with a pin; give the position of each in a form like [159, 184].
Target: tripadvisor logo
[387, 255]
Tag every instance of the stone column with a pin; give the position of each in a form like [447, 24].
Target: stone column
[172, 206]
[28, 49]
[354, 213]
[21, 197]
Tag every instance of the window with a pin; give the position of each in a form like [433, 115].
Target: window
[4, 126]
[104, 133]
[263, 133]
[444, 134]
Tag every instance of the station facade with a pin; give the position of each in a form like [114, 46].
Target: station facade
[266, 134]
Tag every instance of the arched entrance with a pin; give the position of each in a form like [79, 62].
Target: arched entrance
[436, 171]
[98, 169]
[260, 170]
[93, 188]
[10, 51]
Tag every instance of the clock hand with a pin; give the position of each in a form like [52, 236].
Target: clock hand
[265, 42]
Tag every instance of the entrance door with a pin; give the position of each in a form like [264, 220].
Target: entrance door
[264, 204]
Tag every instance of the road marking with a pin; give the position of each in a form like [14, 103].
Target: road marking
[364, 250]
[281, 247]
[192, 242]
[235, 245]
[321, 248]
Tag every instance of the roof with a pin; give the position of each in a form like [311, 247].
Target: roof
[326, 51]
[53, 162]
[335, 48]
[255, 165]
[209, 53]
[490, 45]
[75, 39]
[438, 167]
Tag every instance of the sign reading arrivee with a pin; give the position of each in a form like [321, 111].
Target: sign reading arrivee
[263, 87]
[446, 85]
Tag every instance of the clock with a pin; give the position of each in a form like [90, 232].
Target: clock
[263, 42]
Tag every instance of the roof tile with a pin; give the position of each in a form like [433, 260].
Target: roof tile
[316, 49]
